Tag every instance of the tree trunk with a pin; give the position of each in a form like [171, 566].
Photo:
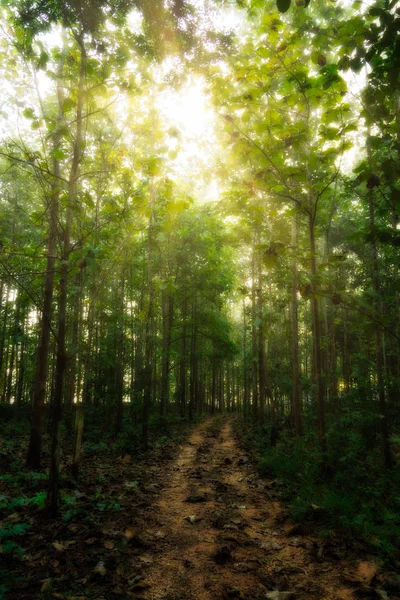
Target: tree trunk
[245, 378]
[148, 351]
[182, 364]
[296, 398]
[262, 367]
[167, 322]
[42, 353]
[254, 336]
[13, 350]
[61, 359]
[384, 425]
[319, 380]
[21, 368]
[119, 366]
[193, 364]
[76, 319]
[79, 418]
[213, 386]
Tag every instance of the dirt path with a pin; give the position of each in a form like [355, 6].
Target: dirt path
[216, 534]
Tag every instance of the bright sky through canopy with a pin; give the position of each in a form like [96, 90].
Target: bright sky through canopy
[194, 147]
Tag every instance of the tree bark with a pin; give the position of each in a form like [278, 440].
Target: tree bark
[381, 392]
[319, 379]
[148, 346]
[167, 322]
[42, 354]
[296, 397]
[254, 336]
[262, 366]
[61, 358]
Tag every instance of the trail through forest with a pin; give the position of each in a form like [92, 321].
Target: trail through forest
[221, 534]
[192, 520]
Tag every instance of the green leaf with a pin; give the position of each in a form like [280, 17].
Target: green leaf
[28, 113]
[270, 258]
[177, 206]
[43, 59]
[67, 516]
[9, 547]
[131, 484]
[283, 5]
[68, 104]
[20, 528]
[58, 154]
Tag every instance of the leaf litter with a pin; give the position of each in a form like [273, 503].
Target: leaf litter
[127, 535]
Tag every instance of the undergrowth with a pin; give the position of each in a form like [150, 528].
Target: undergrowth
[348, 488]
[23, 492]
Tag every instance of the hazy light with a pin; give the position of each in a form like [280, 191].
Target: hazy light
[188, 110]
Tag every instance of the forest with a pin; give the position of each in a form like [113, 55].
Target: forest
[199, 299]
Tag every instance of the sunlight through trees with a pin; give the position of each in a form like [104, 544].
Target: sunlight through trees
[199, 212]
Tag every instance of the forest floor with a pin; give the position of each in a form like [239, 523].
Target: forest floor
[197, 523]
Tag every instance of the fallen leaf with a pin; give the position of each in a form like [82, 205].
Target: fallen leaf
[75, 527]
[141, 585]
[46, 583]
[134, 580]
[270, 546]
[159, 534]
[110, 532]
[193, 519]
[129, 534]
[126, 459]
[100, 569]
[59, 546]
[78, 494]
[132, 537]
[109, 545]
[14, 518]
[90, 541]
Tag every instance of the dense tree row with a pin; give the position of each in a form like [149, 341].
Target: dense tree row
[118, 289]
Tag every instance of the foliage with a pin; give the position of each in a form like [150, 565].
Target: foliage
[348, 491]
[130, 303]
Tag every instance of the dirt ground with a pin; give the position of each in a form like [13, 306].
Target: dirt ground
[221, 535]
[194, 524]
